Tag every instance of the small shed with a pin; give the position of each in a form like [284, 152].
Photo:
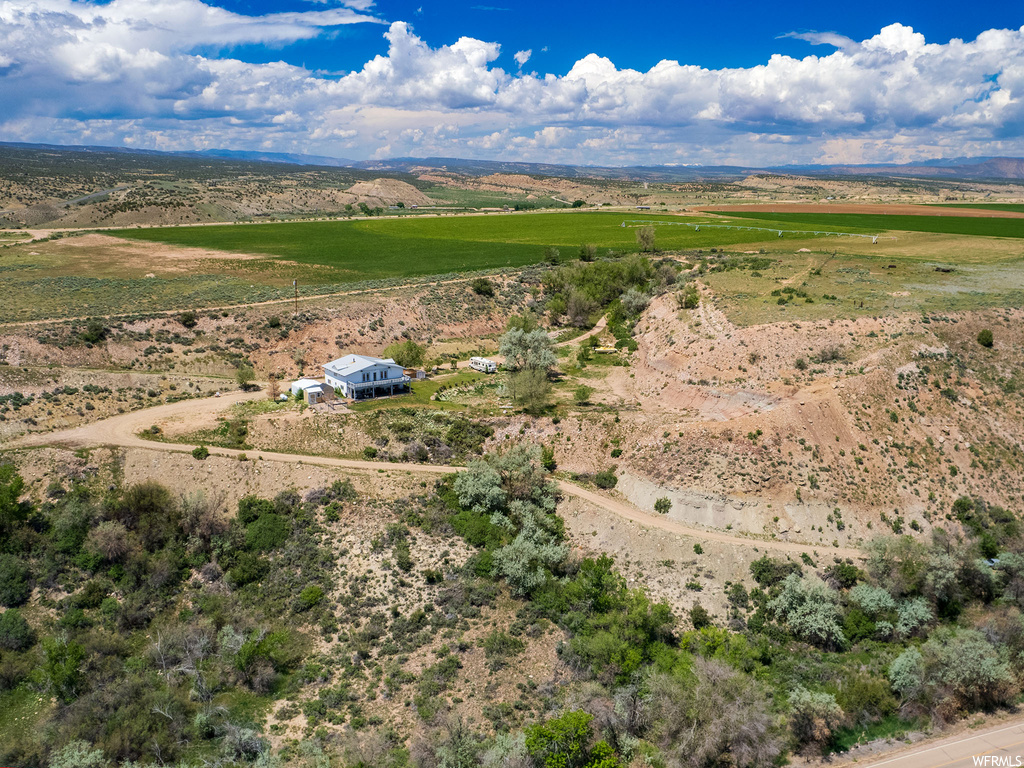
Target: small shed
[318, 393]
[414, 373]
[301, 385]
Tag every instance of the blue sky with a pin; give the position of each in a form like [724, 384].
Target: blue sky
[591, 83]
[747, 34]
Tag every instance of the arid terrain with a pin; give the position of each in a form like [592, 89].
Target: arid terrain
[714, 419]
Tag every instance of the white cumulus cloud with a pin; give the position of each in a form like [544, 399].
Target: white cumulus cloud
[160, 73]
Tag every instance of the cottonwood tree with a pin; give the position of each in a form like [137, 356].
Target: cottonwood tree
[645, 239]
[407, 354]
[810, 610]
[528, 388]
[527, 350]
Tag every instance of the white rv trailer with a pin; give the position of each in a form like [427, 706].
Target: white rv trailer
[483, 365]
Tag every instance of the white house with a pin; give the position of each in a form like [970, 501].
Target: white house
[361, 377]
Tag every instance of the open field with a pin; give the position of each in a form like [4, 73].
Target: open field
[160, 269]
[845, 283]
[368, 249]
[1008, 207]
[977, 226]
[980, 210]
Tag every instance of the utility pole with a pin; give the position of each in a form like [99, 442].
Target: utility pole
[295, 285]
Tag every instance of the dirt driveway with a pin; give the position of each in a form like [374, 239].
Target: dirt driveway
[122, 430]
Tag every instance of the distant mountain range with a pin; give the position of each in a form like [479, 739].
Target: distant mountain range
[978, 168]
[973, 168]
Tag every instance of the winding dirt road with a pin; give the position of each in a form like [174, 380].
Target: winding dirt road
[123, 431]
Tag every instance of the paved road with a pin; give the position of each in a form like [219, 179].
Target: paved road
[123, 430]
[1000, 745]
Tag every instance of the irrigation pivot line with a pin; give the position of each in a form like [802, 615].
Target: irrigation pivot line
[779, 232]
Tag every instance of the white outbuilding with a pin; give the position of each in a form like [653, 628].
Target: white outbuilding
[302, 384]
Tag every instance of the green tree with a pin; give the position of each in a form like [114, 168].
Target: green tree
[525, 322]
[985, 338]
[14, 581]
[528, 388]
[188, 319]
[811, 612]
[606, 479]
[245, 376]
[713, 716]
[645, 239]
[547, 458]
[663, 505]
[13, 511]
[768, 572]
[251, 507]
[956, 668]
[269, 531]
[584, 354]
[634, 302]
[560, 742]
[526, 562]
[700, 617]
[689, 298]
[530, 350]
[407, 354]
[482, 286]
[309, 597]
[15, 633]
[94, 331]
[62, 666]
[150, 511]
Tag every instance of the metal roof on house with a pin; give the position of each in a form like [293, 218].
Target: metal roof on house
[349, 364]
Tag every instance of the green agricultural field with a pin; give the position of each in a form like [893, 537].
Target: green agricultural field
[370, 249]
[69, 277]
[1015, 207]
[876, 223]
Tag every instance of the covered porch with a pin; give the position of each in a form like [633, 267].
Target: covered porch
[367, 390]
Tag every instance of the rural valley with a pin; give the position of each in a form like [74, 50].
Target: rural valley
[737, 483]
